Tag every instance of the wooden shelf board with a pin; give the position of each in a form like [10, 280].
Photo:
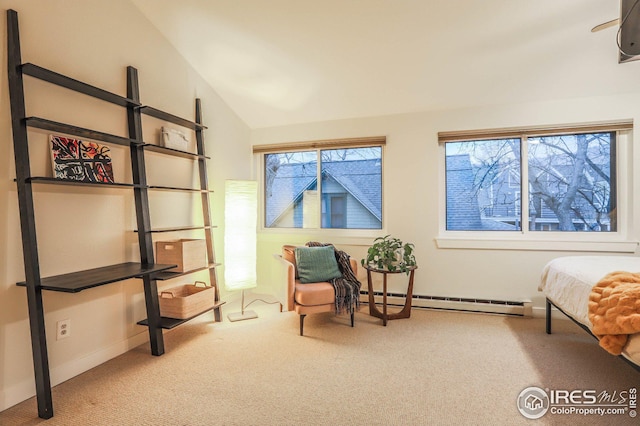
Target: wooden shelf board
[73, 84]
[179, 228]
[154, 112]
[176, 152]
[177, 188]
[163, 276]
[54, 181]
[43, 123]
[169, 323]
[82, 280]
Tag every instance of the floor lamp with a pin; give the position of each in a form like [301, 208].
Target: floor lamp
[240, 221]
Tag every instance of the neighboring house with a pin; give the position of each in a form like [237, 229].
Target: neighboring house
[351, 195]
[501, 200]
[463, 209]
[496, 206]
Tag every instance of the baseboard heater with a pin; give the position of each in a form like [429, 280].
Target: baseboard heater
[514, 308]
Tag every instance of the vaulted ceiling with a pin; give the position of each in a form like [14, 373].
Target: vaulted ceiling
[281, 62]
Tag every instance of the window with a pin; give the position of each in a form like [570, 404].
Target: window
[337, 187]
[334, 209]
[536, 181]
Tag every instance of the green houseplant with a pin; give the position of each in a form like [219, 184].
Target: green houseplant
[389, 253]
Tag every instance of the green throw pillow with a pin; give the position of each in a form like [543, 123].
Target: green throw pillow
[316, 264]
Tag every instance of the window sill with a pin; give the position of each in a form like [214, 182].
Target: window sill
[447, 242]
[358, 237]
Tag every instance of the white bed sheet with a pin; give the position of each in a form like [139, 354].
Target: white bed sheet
[567, 282]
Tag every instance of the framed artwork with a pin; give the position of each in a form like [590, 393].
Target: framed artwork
[75, 159]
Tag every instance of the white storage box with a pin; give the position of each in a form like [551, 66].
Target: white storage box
[188, 254]
[174, 139]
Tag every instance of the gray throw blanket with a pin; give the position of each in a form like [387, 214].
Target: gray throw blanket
[347, 287]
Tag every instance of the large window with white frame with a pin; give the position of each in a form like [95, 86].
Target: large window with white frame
[333, 184]
[533, 181]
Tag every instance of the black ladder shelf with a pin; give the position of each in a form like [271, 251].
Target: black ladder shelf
[146, 269]
[203, 188]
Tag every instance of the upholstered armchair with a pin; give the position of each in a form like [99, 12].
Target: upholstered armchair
[310, 297]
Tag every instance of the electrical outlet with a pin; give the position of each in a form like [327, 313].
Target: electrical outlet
[63, 329]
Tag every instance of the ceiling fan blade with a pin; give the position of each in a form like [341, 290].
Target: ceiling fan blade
[604, 25]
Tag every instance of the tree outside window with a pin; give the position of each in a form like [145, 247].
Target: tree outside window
[571, 183]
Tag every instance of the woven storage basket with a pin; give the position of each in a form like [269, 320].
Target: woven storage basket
[188, 254]
[187, 300]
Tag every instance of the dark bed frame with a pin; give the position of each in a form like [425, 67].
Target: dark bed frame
[584, 327]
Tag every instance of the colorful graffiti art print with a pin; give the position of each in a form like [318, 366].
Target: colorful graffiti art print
[74, 159]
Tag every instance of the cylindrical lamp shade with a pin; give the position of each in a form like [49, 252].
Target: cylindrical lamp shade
[241, 217]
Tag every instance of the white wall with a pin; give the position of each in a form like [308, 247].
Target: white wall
[94, 41]
[412, 187]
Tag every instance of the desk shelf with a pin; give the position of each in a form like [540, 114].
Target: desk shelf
[75, 282]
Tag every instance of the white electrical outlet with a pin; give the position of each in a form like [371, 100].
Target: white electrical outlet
[63, 329]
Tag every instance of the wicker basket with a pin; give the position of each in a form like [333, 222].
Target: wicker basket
[187, 254]
[187, 300]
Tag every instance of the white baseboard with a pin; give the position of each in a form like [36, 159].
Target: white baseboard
[26, 389]
[520, 308]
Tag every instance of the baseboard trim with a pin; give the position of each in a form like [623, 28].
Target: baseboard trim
[27, 389]
[515, 308]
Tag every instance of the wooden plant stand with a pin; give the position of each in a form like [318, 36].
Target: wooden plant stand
[384, 315]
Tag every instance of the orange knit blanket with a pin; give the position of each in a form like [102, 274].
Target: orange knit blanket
[614, 309]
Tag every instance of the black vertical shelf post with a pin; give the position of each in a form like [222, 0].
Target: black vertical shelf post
[142, 214]
[206, 213]
[27, 219]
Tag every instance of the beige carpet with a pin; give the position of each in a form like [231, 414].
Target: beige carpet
[435, 368]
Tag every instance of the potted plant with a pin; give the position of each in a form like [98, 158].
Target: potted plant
[391, 254]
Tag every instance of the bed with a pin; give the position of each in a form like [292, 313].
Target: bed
[567, 283]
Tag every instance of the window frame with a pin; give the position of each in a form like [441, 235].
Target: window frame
[524, 239]
[260, 151]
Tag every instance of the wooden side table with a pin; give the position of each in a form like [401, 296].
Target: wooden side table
[384, 315]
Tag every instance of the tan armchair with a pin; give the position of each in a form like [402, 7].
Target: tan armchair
[309, 298]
